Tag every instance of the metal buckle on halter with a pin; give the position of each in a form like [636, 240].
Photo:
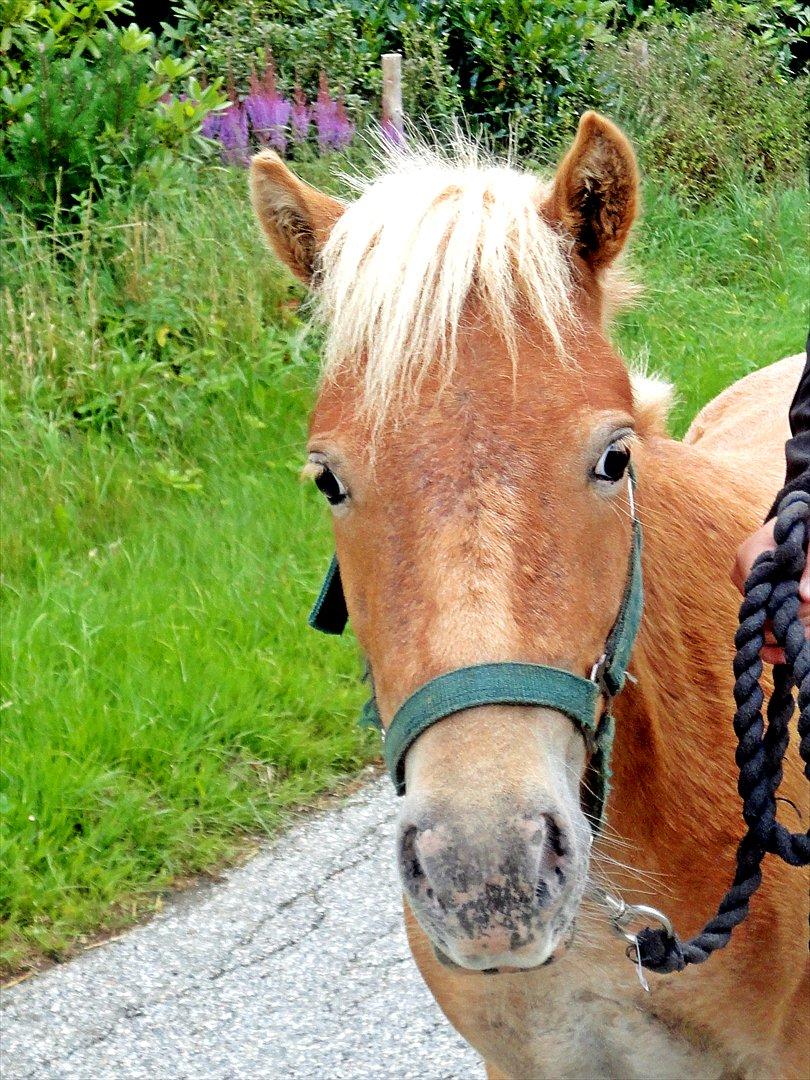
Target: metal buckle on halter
[597, 676]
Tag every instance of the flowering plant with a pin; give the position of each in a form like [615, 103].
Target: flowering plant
[265, 117]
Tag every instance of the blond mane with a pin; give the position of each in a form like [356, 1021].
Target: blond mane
[426, 234]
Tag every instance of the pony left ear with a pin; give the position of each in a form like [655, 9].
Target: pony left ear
[296, 218]
[595, 193]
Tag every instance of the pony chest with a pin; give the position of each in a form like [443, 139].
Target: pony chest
[575, 1022]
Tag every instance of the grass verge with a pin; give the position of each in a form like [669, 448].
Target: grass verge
[161, 693]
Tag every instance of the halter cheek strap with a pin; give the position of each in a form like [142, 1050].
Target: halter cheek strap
[511, 683]
[329, 613]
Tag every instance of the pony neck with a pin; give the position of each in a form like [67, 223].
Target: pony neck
[673, 771]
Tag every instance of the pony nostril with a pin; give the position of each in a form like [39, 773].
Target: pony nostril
[555, 837]
[411, 864]
[553, 860]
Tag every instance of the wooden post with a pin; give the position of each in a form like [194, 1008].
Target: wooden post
[392, 92]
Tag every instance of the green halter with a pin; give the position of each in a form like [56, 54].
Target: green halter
[511, 683]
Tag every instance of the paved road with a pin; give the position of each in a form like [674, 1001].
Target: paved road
[295, 966]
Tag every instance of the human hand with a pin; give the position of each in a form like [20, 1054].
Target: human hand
[747, 552]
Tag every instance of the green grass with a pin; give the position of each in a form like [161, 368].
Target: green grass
[725, 290]
[161, 693]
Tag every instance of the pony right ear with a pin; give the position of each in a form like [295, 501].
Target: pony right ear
[295, 217]
[595, 193]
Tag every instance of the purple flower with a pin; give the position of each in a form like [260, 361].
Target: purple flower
[343, 127]
[268, 112]
[334, 128]
[210, 125]
[233, 134]
[268, 118]
[324, 114]
[300, 116]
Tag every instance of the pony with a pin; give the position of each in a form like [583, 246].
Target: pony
[472, 436]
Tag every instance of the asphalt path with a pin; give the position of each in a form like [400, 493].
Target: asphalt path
[295, 965]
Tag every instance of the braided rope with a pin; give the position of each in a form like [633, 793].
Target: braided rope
[771, 592]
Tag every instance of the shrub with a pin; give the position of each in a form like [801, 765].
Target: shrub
[706, 103]
[346, 40]
[782, 27]
[304, 39]
[520, 70]
[62, 28]
[508, 65]
[105, 112]
[430, 87]
[521, 64]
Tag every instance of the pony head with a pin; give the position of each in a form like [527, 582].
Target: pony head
[472, 436]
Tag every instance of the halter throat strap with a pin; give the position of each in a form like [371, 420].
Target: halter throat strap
[511, 683]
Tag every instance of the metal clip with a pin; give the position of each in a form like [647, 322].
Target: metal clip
[622, 914]
[642, 978]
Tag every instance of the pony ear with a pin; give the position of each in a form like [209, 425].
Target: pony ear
[295, 217]
[595, 193]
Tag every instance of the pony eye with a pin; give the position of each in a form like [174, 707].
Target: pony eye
[333, 489]
[612, 465]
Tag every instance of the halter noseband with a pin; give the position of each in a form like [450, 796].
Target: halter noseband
[511, 683]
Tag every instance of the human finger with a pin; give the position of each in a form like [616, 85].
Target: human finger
[771, 654]
[804, 584]
[749, 550]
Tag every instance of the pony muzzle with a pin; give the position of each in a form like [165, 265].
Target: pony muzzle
[492, 845]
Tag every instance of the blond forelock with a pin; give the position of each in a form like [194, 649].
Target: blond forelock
[426, 234]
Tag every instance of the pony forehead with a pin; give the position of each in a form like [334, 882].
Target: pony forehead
[426, 234]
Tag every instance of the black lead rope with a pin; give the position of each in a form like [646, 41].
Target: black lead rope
[771, 592]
